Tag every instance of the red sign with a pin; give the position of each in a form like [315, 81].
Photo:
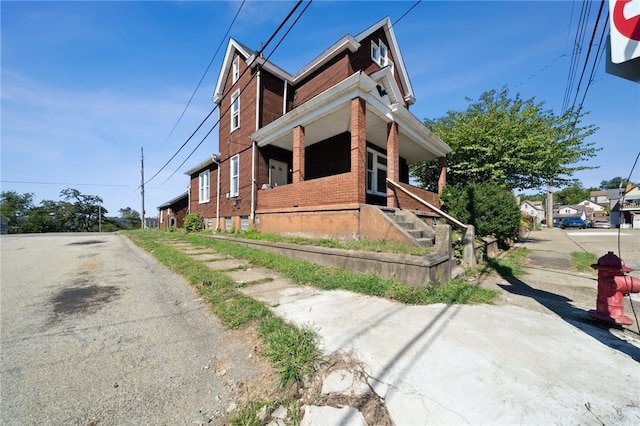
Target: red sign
[625, 30]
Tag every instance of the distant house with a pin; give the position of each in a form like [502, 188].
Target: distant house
[534, 209]
[629, 208]
[599, 197]
[594, 211]
[172, 213]
[204, 192]
[325, 151]
[4, 225]
[577, 211]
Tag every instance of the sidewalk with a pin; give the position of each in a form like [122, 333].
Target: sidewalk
[534, 358]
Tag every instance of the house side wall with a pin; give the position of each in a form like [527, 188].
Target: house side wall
[271, 98]
[322, 79]
[206, 209]
[237, 142]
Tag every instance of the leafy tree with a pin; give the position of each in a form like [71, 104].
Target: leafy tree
[16, 208]
[509, 142]
[130, 218]
[573, 194]
[615, 183]
[83, 210]
[491, 209]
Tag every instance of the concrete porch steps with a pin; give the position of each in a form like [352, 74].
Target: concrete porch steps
[421, 233]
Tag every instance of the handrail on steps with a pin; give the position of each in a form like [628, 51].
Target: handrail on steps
[454, 221]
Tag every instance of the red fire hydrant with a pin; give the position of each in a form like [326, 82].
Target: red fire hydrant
[612, 285]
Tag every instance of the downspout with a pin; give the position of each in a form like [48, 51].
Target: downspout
[284, 98]
[216, 159]
[253, 148]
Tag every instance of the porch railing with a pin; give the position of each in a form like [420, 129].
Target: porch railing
[436, 210]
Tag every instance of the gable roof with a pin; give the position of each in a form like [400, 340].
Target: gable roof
[346, 42]
[173, 201]
[205, 164]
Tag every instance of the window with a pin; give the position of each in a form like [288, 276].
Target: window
[209, 222]
[376, 173]
[234, 184]
[227, 223]
[379, 53]
[236, 69]
[204, 187]
[244, 223]
[235, 110]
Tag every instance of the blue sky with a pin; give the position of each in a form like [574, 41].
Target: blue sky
[85, 85]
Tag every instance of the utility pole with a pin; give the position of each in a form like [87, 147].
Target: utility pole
[549, 205]
[142, 186]
[99, 217]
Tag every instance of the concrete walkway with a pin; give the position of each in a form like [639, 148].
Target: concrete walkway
[533, 358]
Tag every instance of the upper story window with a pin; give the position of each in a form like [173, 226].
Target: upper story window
[234, 182]
[376, 173]
[236, 69]
[204, 187]
[235, 110]
[379, 53]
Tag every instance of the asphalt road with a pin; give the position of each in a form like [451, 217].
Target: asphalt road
[95, 331]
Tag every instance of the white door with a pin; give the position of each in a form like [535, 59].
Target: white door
[278, 173]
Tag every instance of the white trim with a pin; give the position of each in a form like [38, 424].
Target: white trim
[234, 192]
[235, 112]
[374, 172]
[233, 45]
[235, 69]
[204, 187]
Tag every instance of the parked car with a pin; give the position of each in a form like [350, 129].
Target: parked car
[573, 222]
[601, 224]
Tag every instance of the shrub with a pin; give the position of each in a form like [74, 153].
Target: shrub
[491, 209]
[193, 222]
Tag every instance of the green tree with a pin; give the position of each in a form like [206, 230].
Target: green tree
[509, 142]
[615, 183]
[491, 209]
[130, 218]
[16, 208]
[82, 211]
[572, 194]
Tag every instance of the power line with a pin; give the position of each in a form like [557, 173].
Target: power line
[65, 183]
[226, 93]
[586, 61]
[224, 37]
[259, 54]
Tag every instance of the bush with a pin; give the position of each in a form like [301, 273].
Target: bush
[193, 222]
[492, 210]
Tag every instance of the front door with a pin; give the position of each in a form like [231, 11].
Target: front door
[278, 173]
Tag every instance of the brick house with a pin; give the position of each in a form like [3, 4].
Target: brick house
[172, 213]
[310, 153]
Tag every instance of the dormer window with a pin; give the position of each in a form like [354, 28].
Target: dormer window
[236, 69]
[379, 53]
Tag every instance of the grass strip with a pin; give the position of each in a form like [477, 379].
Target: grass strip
[583, 260]
[363, 245]
[508, 266]
[325, 278]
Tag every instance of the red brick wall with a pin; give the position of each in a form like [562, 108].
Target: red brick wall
[238, 141]
[206, 209]
[336, 189]
[408, 203]
[325, 77]
[271, 98]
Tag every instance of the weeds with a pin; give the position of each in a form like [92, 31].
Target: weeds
[583, 260]
[508, 266]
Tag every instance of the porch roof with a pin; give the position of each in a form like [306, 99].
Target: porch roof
[329, 114]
